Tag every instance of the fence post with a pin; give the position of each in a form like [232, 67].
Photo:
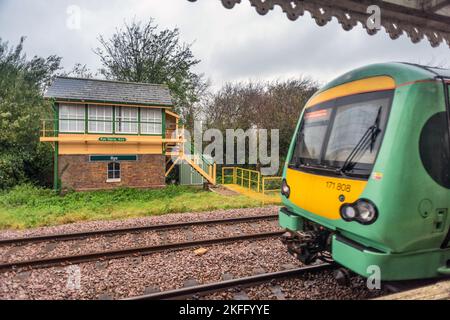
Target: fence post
[263, 186]
[259, 180]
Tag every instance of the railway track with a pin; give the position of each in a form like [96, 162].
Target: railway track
[119, 231]
[210, 288]
[127, 252]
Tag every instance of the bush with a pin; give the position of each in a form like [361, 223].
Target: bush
[22, 157]
[11, 171]
[24, 195]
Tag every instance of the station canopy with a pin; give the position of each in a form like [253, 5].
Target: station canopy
[418, 19]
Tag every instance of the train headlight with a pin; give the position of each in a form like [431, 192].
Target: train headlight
[362, 211]
[285, 189]
[367, 212]
[348, 212]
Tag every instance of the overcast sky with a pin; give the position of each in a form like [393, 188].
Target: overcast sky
[234, 45]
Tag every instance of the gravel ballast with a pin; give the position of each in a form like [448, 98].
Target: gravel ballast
[138, 222]
[132, 240]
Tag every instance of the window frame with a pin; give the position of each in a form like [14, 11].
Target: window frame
[114, 171]
[77, 118]
[96, 121]
[155, 121]
[86, 120]
[117, 121]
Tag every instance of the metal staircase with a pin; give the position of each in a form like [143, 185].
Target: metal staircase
[182, 150]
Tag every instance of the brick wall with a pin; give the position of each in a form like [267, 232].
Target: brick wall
[77, 173]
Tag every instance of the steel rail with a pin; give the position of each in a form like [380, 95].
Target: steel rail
[209, 288]
[134, 251]
[118, 231]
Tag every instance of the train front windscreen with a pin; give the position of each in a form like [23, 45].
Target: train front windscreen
[343, 136]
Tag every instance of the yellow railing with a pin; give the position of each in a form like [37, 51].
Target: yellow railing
[250, 179]
[226, 177]
[271, 184]
[48, 129]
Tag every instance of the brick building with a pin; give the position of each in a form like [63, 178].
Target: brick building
[109, 134]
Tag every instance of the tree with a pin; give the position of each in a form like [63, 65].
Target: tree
[270, 105]
[281, 108]
[141, 53]
[80, 71]
[22, 157]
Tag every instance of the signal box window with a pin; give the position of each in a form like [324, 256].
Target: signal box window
[151, 121]
[100, 119]
[127, 120]
[71, 118]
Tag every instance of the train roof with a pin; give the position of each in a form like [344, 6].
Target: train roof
[401, 72]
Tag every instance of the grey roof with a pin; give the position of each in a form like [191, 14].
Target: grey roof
[91, 90]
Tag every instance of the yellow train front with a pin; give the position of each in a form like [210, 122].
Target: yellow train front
[367, 178]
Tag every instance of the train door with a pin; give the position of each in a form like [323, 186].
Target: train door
[446, 83]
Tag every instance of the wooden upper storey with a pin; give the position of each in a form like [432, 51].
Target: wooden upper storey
[107, 111]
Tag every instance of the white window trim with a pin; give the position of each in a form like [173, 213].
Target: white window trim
[108, 180]
[155, 120]
[126, 119]
[77, 118]
[102, 121]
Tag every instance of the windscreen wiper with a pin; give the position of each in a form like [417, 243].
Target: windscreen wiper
[319, 167]
[368, 139]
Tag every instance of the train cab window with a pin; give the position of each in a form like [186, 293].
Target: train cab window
[350, 125]
[312, 135]
[343, 136]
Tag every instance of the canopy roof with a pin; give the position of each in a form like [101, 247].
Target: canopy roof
[418, 19]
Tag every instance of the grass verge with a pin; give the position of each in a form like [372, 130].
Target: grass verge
[27, 206]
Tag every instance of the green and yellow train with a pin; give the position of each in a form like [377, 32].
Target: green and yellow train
[367, 181]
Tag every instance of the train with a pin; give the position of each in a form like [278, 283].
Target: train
[366, 183]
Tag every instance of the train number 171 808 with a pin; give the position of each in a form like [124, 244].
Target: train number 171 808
[339, 186]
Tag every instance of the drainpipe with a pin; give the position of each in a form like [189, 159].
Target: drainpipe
[56, 155]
